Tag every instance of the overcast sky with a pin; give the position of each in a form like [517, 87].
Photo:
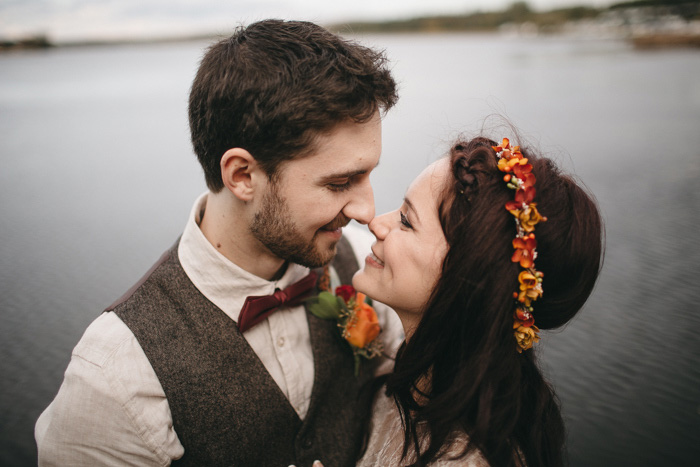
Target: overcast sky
[64, 20]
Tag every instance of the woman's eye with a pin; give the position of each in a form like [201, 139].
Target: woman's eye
[404, 221]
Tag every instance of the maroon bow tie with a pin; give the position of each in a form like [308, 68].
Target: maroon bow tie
[258, 308]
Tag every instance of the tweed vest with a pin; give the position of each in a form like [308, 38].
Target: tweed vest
[226, 408]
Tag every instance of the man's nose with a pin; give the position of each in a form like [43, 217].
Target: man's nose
[361, 204]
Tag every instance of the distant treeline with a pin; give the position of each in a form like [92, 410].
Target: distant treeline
[36, 42]
[518, 13]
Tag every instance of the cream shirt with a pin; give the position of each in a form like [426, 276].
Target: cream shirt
[111, 408]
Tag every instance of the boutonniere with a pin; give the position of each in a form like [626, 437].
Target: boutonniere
[356, 319]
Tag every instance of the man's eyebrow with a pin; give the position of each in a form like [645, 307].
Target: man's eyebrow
[348, 174]
[339, 175]
[411, 207]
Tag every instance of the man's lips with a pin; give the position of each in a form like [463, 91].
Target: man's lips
[335, 225]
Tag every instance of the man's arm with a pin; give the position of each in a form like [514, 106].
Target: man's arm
[110, 409]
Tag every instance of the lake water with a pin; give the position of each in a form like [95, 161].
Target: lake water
[97, 178]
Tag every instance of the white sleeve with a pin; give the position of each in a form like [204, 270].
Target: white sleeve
[110, 409]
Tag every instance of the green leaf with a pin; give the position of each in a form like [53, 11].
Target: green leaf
[325, 306]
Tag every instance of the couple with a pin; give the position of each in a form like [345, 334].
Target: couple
[213, 358]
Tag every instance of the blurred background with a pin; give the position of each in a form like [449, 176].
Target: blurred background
[97, 176]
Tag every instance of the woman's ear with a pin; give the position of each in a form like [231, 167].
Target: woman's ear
[237, 169]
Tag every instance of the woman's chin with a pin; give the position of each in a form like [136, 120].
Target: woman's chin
[362, 283]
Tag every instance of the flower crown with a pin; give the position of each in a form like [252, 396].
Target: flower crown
[519, 177]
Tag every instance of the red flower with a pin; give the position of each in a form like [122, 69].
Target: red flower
[523, 172]
[523, 318]
[346, 292]
[522, 196]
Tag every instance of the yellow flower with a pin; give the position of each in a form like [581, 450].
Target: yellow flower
[526, 336]
[527, 280]
[526, 297]
[506, 164]
[530, 217]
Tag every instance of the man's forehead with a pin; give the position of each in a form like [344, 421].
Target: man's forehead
[329, 166]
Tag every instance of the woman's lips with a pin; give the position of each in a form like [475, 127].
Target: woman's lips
[374, 261]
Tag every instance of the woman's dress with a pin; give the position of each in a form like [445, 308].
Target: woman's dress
[386, 441]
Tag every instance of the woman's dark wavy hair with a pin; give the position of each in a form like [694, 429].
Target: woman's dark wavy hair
[464, 345]
[273, 86]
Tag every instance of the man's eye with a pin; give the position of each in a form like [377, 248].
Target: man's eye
[339, 186]
[404, 221]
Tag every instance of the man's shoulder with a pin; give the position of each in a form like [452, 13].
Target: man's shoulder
[109, 353]
[104, 339]
[110, 409]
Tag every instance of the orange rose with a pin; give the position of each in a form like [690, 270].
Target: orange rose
[364, 327]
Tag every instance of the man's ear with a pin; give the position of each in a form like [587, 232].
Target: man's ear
[238, 167]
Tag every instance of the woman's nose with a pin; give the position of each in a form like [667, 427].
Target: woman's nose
[380, 225]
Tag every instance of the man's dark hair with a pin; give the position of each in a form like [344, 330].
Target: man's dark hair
[273, 86]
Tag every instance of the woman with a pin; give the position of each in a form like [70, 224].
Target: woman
[461, 275]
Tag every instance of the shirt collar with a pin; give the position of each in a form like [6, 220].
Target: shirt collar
[220, 280]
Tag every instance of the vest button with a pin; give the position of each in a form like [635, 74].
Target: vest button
[306, 443]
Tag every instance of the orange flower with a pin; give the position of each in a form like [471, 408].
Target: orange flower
[505, 144]
[524, 251]
[363, 327]
[526, 336]
[514, 163]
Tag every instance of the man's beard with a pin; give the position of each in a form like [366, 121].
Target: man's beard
[273, 227]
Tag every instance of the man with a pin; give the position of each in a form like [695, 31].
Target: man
[285, 121]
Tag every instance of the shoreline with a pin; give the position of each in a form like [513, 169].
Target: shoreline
[649, 41]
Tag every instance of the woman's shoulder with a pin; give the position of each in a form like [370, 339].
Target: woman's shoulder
[452, 454]
[386, 441]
